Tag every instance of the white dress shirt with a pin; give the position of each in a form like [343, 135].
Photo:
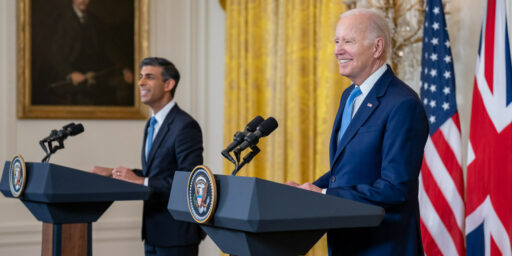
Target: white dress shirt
[367, 86]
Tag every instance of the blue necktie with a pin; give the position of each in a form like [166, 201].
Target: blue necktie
[347, 111]
[151, 130]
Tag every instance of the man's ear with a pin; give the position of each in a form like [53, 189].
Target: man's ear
[378, 47]
[169, 85]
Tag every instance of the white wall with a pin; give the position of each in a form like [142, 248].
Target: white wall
[189, 33]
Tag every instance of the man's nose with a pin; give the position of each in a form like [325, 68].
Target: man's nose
[140, 83]
[338, 48]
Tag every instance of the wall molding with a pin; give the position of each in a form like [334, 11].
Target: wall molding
[20, 234]
[17, 234]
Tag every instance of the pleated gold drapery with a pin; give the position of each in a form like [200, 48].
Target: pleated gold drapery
[280, 63]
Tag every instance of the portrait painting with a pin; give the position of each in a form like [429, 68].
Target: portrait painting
[78, 58]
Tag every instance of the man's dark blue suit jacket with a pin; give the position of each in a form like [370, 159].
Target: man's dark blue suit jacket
[178, 146]
[378, 162]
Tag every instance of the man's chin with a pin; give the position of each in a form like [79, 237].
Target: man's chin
[344, 72]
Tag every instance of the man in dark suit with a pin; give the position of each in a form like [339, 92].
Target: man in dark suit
[377, 142]
[86, 66]
[171, 143]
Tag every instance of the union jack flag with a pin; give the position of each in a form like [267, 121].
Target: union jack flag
[489, 164]
[441, 191]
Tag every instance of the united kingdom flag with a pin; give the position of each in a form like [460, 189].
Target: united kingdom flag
[489, 164]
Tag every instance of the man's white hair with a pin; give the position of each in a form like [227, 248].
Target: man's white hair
[377, 26]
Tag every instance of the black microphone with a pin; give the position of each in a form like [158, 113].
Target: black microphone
[239, 136]
[70, 129]
[59, 136]
[264, 129]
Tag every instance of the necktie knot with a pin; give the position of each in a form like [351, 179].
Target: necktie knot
[347, 111]
[152, 122]
[354, 93]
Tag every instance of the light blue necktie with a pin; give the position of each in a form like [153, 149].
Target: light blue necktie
[151, 130]
[347, 111]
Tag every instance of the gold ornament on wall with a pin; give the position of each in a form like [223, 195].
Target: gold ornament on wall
[405, 18]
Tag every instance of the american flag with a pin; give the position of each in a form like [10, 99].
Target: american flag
[489, 164]
[441, 191]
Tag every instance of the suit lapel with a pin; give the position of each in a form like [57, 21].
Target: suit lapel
[368, 106]
[143, 151]
[337, 122]
[162, 133]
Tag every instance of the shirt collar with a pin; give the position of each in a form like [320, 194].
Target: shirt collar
[368, 84]
[79, 13]
[160, 116]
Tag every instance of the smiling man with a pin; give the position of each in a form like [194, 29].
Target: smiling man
[377, 141]
[172, 142]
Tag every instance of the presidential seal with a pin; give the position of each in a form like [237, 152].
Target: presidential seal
[201, 194]
[17, 176]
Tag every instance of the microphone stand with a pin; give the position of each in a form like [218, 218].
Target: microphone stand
[237, 139]
[51, 148]
[247, 158]
[226, 155]
[237, 162]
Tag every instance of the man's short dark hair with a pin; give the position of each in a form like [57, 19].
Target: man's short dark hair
[169, 71]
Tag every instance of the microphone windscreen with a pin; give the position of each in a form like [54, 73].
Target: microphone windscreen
[252, 125]
[68, 127]
[268, 126]
[76, 129]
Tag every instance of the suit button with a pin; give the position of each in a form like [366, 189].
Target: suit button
[333, 179]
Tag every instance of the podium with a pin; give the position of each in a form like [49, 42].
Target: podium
[67, 201]
[261, 217]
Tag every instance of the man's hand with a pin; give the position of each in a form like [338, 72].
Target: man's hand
[76, 77]
[306, 186]
[310, 187]
[292, 183]
[128, 76]
[105, 171]
[123, 173]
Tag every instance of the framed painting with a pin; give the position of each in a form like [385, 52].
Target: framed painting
[78, 59]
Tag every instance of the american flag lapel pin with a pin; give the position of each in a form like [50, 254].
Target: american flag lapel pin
[369, 105]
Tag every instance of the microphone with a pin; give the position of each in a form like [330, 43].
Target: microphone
[59, 136]
[239, 136]
[264, 129]
[70, 129]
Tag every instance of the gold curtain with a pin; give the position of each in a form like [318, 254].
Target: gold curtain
[280, 63]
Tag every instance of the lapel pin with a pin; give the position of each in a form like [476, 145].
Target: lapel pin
[369, 105]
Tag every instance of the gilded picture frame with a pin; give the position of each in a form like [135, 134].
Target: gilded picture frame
[71, 68]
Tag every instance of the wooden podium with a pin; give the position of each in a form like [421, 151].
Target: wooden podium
[67, 201]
